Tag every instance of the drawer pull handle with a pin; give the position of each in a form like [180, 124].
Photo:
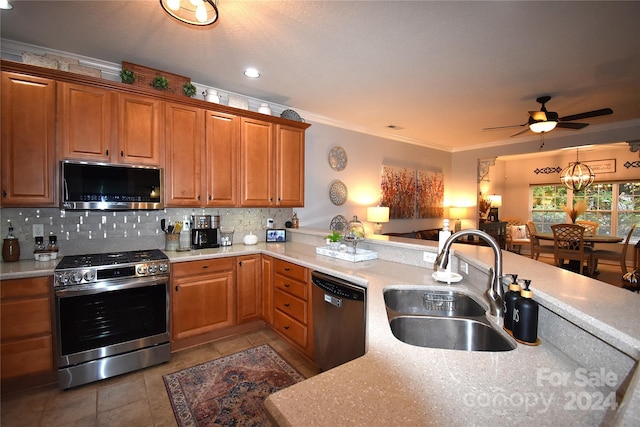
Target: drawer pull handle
[286, 285]
[205, 266]
[286, 305]
[286, 328]
[287, 269]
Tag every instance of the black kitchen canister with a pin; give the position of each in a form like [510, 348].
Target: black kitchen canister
[525, 316]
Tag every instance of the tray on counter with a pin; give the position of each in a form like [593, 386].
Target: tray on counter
[359, 255]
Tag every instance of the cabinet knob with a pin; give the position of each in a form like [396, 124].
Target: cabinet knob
[106, 153]
[4, 193]
[240, 263]
[176, 288]
[210, 197]
[121, 153]
[198, 197]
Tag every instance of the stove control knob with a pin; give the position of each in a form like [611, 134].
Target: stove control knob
[142, 269]
[153, 268]
[89, 275]
[76, 276]
[62, 278]
[163, 267]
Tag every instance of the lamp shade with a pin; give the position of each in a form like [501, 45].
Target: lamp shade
[378, 214]
[496, 200]
[543, 126]
[457, 213]
[193, 12]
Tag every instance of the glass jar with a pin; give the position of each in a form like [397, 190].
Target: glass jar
[355, 232]
[52, 247]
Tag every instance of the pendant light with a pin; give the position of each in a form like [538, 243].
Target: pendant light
[193, 12]
[577, 176]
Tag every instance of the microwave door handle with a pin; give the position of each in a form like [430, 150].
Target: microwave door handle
[66, 191]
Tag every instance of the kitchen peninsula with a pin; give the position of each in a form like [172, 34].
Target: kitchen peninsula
[586, 327]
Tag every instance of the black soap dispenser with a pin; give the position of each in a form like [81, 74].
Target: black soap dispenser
[525, 317]
[510, 298]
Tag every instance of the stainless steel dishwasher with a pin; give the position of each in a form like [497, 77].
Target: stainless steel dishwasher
[338, 320]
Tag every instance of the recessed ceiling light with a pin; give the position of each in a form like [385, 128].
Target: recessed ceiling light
[4, 4]
[252, 72]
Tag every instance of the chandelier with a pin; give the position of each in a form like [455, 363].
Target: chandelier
[193, 12]
[577, 176]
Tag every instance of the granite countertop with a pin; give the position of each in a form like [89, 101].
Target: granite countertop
[398, 384]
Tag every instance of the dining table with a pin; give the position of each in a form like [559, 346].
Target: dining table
[588, 238]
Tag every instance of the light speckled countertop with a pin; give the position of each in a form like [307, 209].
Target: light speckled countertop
[584, 323]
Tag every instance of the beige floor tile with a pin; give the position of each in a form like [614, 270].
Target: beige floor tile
[121, 393]
[69, 407]
[232, 345]
[134, 414]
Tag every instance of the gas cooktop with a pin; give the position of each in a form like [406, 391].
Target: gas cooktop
[115, 258]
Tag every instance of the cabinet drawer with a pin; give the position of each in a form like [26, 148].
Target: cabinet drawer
[25, 318]
[296, 272]
[27, 357]
[290, 328]
[196, 268]
[22, 288]
[290, 305]
[291, 286]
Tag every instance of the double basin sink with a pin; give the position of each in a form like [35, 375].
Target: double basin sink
[434, 318]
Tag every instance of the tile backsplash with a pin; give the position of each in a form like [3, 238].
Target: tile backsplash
[84, 232]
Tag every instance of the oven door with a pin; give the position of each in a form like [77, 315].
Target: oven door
[111, 318]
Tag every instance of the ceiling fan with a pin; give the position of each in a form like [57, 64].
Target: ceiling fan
[545, 121]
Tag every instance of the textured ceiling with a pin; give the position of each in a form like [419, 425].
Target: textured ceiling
[441, 71]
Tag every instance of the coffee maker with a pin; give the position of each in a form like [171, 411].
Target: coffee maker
[204, 231]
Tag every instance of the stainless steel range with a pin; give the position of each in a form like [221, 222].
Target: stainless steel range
[112, 313]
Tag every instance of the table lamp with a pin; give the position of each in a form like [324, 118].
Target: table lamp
[457, 214]
[378, 214]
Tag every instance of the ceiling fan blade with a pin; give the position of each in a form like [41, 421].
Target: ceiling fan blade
[521, 132]
[594, 113]
[504, 127]
[538, 116]
[572, 125]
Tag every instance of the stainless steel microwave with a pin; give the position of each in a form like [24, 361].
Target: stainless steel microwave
[100, 186]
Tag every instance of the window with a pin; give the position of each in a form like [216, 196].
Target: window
[615, 206]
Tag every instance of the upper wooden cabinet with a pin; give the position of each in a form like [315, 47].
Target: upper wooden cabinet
[222, 153]
[289, 166]
[101, 125]
[85, 115]
[28, 140]
[256, 163]
[140, 130]
[184, 151]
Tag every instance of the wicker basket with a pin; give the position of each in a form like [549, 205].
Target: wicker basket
[145, 76]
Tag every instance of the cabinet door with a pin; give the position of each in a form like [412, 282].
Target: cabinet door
[183, 165]
[256, 163]
[222, 131]
[249, 288]
[202, 304]
[289, 166]
[140, 130]
[85, 120]
[28, 140]
[267, 289]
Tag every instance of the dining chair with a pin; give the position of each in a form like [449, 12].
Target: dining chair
[610, 255]
[568, 244]
[590, 228]
[516, 234]
[536, 248]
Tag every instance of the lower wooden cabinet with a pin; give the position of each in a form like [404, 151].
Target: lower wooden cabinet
[202, 297]
[291, 304]
[267, 288]
[248, 288]
[26, 330]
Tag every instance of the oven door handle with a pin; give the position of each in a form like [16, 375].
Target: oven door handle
[96, 288]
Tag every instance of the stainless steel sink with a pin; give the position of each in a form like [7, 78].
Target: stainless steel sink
[432, 302]
[444, 319]
[451, 333]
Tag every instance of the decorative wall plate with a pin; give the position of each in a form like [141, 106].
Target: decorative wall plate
[338, 192]
[338, 223]
[337, 158]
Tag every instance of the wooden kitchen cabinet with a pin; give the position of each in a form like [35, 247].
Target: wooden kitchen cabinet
[184, 151]
[249, 288]
[202, 297]
[28, 140]
[85, 122]
[26, 330]
[267, 288]
[140, 138]
[256, 163]
[289, 166]
[222, 154]
[292, 305]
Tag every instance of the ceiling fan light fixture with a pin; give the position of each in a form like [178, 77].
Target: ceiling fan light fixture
[577, 176]
[5, 5]
[543, 126]
[192, 12]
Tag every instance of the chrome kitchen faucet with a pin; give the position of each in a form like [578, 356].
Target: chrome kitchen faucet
[495, 294]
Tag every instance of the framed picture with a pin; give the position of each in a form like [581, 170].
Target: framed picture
[276, 235]
[493, 215]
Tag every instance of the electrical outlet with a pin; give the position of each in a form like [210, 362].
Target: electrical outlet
[269, 222]
[464, 267]
[38, 230]
[429, 257]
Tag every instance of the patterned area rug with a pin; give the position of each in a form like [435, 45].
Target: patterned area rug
[231, 390]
